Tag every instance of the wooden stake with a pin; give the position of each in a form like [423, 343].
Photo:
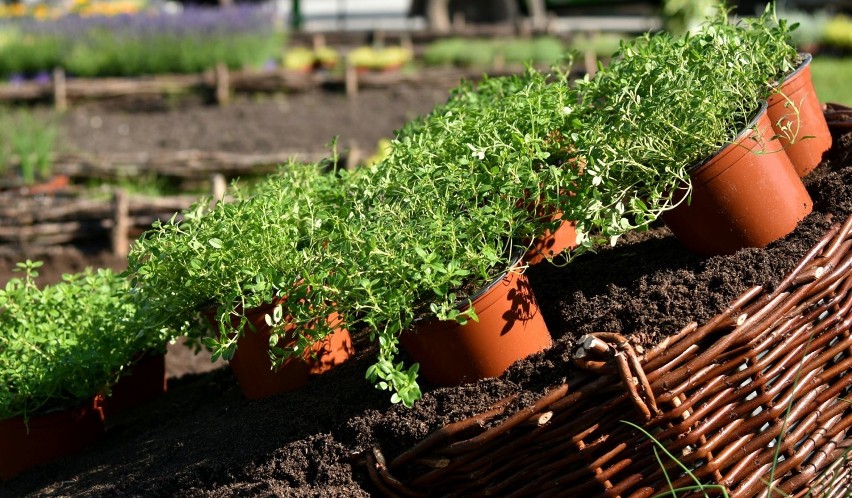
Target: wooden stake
[121, 222]
[499, 61]
[459, 22]
[379, 38]
[318, 41]
[60, 94]
[538, 14]
[353, 157]
[590, 60]
[406, 42]
[218, 187]
[223, 90]
[351, 80]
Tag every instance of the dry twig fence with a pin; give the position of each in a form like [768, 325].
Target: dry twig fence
[757, 396]
[31, 222]
[181, 164]
[223, 83]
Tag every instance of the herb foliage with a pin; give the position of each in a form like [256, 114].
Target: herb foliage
[67, 342]
[456, 197]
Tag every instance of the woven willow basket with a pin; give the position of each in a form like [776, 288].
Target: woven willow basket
[756, 397]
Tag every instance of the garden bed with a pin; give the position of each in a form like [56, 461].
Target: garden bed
[204, 439]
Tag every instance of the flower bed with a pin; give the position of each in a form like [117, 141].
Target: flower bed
[129, 45]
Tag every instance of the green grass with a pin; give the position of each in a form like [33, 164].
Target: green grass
[831, 76]
[29, 138]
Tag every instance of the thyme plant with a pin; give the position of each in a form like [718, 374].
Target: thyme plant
[456, 198]
[411, 236]
[659, 109]
[67, 342]
[234, 256]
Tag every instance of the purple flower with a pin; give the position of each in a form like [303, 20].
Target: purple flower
[42, 78]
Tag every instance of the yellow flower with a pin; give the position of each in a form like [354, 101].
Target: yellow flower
[110, 8]
[18, 10]
[41, 12]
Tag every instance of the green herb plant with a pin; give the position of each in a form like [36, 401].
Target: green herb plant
[453, 202]
[411, 236]
[67, 342]
[643, 133]
[445, 212]
[232, 257]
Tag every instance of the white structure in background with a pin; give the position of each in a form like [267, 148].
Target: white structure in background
[354, 15]
[437, 15]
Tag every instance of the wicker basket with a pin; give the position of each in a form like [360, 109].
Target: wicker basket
[757, 395]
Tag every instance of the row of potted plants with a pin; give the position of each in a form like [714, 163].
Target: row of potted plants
[650, 147]
[467, 189]
[432, 240]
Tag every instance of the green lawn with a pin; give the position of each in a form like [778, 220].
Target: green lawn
[832, 77]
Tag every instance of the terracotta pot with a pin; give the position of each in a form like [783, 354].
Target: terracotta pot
[510, 328]
[742, 197]
[145, 382]
[797, 92]
[44, 438]
[57, 183]
[253, 368]
[552, 242]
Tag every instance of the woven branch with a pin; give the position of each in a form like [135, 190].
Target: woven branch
[773, 363]
[42, 221]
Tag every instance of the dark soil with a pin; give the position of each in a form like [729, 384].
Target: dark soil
[303, 122]
[204, 439]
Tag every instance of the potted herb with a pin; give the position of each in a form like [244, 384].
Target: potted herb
[62, 347]
[444, 216]
[300, 59]
[645, 139]
[766, 41]
[235, 266]
[410, 238]
[797, 117]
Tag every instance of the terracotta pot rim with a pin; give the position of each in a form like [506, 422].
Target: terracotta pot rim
[472, 300]
[747, 130]
[49, 417]
[807, 58]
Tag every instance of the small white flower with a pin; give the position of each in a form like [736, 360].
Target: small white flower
[567, 110]
[479, 154]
